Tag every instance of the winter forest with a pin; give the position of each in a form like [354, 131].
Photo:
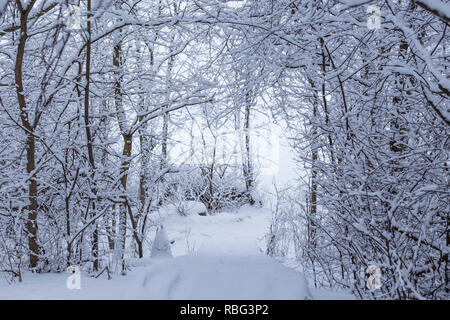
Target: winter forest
[134, 149]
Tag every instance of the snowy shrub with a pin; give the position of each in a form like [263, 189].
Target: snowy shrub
[191, 207]
[224, 192]
[12, 253]
[281, 233]
[369, 123]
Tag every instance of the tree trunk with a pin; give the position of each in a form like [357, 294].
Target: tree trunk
[126, 151]
[125, 166]
[31, 224]
[88, 133]
[314, 158]
[248, 166]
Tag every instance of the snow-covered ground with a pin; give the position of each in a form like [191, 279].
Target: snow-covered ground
[215, 257]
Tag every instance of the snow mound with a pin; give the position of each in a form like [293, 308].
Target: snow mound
[204, 277]
[191, 207]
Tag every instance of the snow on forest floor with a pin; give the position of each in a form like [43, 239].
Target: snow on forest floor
[215, 257]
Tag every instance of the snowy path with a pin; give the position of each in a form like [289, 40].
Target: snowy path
[228, 262]
[216, 257]
[222, 277]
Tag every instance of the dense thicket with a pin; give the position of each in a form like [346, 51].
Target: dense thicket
[92, 120]
[369, 116]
